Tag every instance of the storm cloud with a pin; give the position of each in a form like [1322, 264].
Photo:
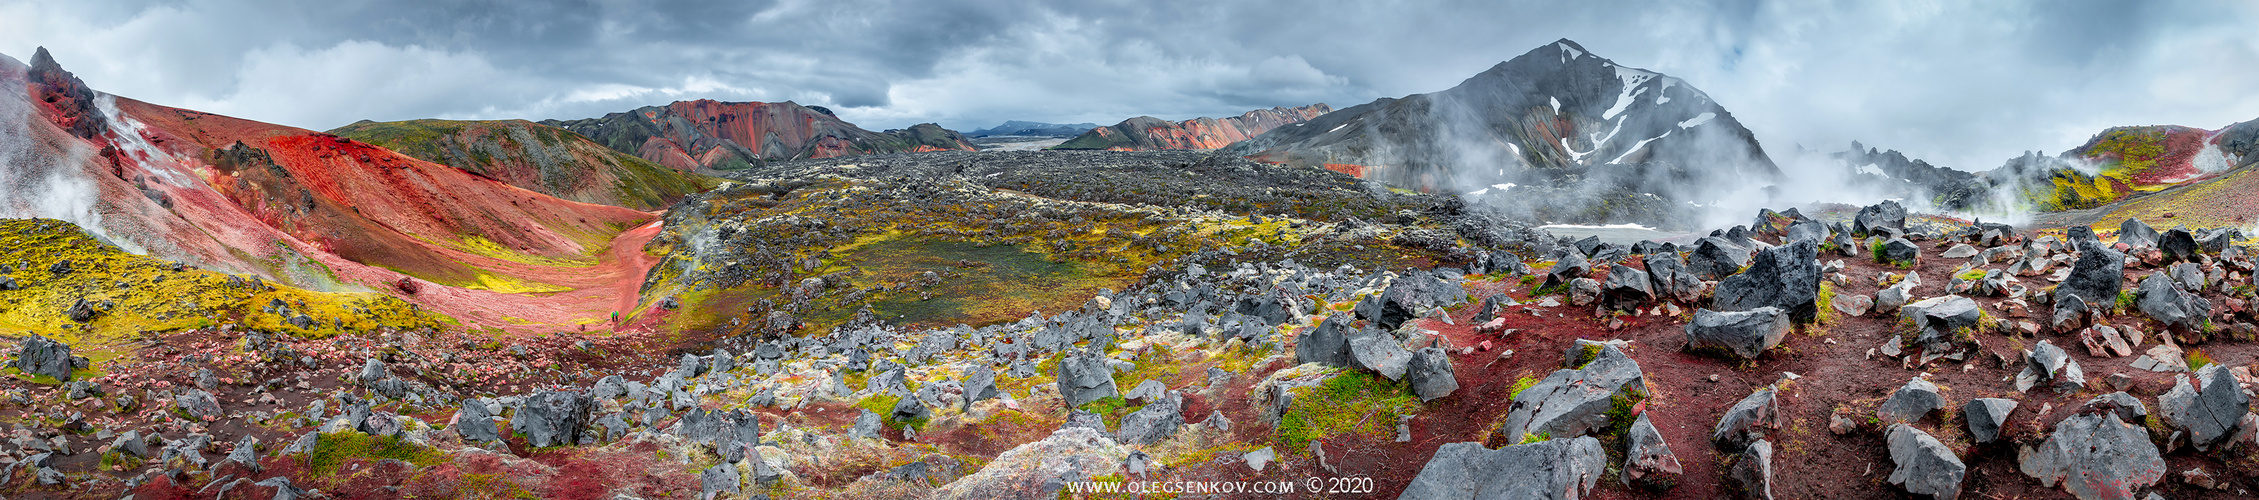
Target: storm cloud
[1962, 85]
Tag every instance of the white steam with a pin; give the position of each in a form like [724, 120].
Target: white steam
[36, 181]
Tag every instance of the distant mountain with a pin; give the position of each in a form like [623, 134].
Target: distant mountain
[1896, 174]
[1556, 117]
[538, 157]
[1147, 133]
[1033, 129]
[714, 135]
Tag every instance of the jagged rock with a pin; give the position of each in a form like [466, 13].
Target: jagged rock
[2096, 276]
[1853, 305]
[1040, 469]
[1900, 251]
[1551, 469]
[1986, 416]
[1753, 470]
[131, 443]
[1745, 333]
[2071, 313]
[2125, 405]
[1648, 461]
[2102, 341]
[980, 385]
[1153, 423]
[2162, 358]
[1326, 344]
[1573, 402]
[554, 418]
[1668, 277]
[2189, 276]
[1912, 402]
[1943, 314]
[1747, 420]
[720, 479]
[43, 356]
[198, 404]
[2209, 410]
[1626, 288]
[1583, 291]
[1147, 391]
[609, 387]
[908, 409]
[2167, 303]
[1715, 258]
[1844, 243]
[1380, 353]
[1959, 251]
[1786, 277]
[2135, 234]
[283, 489]
[1925, 465]
[1430, 374]
[2050, 365]
[1568, 268]
[1085, 377]
[1873, 218]
[2095, 455]
[246, 453]
[866, 425]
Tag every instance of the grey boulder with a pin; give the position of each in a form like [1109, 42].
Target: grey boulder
[1574, 402]
[1742, 333]
[2095, 456]
[1986, 416]
[1379, 352]
[554, 418]
[1925, 465]
[1085, 377]
[1560, 469]
[1430, 375]
[2208, 410]
[1912, 402]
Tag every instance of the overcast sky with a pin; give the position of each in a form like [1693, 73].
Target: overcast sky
[1961, 85]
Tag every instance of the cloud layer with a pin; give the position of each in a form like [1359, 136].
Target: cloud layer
[1961, 85]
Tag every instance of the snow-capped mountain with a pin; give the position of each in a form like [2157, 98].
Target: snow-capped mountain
[1555, 114]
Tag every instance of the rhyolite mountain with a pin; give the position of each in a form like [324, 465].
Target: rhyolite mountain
[1146, 133]
[538, 157]
[1557, 117]
[715, 135]
[300, 208]
[1020, 128]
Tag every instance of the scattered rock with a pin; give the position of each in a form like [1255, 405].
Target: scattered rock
[1153, 423]
[1747, 420]
[1986, 417]
[1085, 377]
[1900, 251]
[1753, 470]
[1744, 333]
[1574, 402]
[1959, 251]
[1648, 461]
[2094, 455]
[1259, 459]
[1785, 277]
[1326, 344]
[1925, 465]
[2096, 277]
[2167, 303]
[867, 425]
[554, 418]
[1912, 402]
[1554, 468]
[40, 355]
[1430, 375]
[2208, 410]
[2049, 365]
[475, 424]
[1380, 353]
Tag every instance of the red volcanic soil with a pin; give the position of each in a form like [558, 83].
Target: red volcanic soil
[309, 208]
[1146, 133]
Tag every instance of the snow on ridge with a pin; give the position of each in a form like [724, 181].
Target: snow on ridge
[1872, 169]
[1568, 53]
[1632, 79]
[1556, 104]
[1636, 147]
[1698, 119]
[1667, 83]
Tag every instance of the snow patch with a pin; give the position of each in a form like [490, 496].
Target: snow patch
[1336, 127]
[1667, 83]
[1568, 52]
[1556, 104]
[1698, 119]
[1636, 147]
[1871, 169]
[1503, 187]
[1632, 79]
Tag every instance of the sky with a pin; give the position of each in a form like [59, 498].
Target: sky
[1961, 84]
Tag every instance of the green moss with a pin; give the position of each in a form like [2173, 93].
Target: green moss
[1520, 384]
[2197, 359]
[1826, 302]
[2125, 302]
[1535, 438]
[1971, 275]
[1352, 402]
[334, 449]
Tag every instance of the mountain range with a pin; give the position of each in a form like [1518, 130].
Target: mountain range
[1146, 133]
[1018, 128]
[714, 135]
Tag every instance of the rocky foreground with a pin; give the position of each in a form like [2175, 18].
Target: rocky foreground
[1791, 358]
